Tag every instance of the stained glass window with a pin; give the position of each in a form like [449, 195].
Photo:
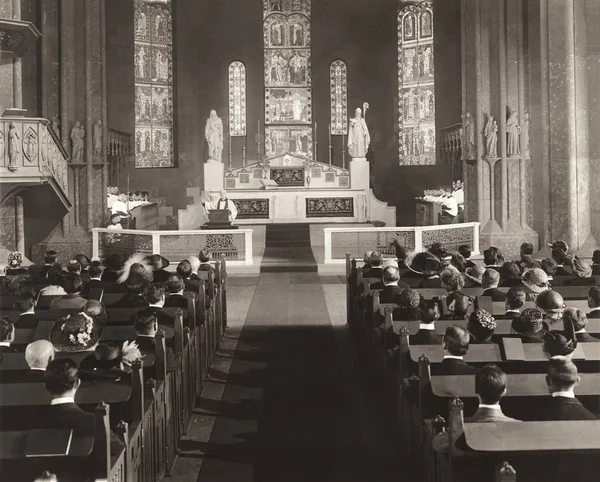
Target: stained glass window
[153, 65]
[237, 99]
[338, 83]
[416, 85]
[288, 77]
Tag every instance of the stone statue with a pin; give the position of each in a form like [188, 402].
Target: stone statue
[97, 138]
[14, 150]
[513, 131]
[358, 136]
[56, 124]
[214, 136]
[491, 137]
[525, 135]
[77, 136]
[469, 136]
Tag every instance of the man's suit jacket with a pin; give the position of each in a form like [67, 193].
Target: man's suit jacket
[162, 317]
[206, 267]
[585, 337]
[511, 283]
[594, 314]
[595, 269]
[192, 284]
[161, 275]
[484, 414]
[131, 300]
[176, 301]
[8, 349]
[147, 344]
[426, 337]
[109, 276]
[93, 283]
[562, 408]
[27, 320]
[495, 293]
[376, 272]
[64, 415]
[32, 376]
[453, 366]
[388, 293]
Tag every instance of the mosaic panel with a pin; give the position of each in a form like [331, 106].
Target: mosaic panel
[286, 6]
[329, 177]
[288, 176]
[416, 85]
[338, 83]
[252, 208]
[244, 178]
[229, 183]
[237, 99]
[287, 68]
[153, 70]
[288, 106]
[281, 140]
[330, 207]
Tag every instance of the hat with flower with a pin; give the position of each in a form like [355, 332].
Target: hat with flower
[15, 259]
[75, 333]
[536, 280]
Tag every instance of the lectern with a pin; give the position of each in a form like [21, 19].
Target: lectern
[218, 219]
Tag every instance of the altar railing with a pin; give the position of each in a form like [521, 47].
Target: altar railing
[234, 244]
[357, 241]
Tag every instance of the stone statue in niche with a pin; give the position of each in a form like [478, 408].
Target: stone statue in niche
[97, 138]
[525, 135]
[513, 132]
[14, 151]
[77, 136]
[491, 137]
[469, 136]
[214, 136]
[358, 136]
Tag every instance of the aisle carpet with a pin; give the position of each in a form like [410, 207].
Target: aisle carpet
[291, 409]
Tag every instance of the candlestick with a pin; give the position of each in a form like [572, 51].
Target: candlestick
[343, 151]
[244, 156]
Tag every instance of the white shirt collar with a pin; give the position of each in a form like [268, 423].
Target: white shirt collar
[96, 279]
[495, 406]
[453, 357]
[29, 312]
[195, 272]
[580, 331]
[513, 311]
[151, 305]
[391, 283]
[146, 336]
[4, 343]
[595, 309]
[62, 400]
[427, 326]
[566, 394]
[38, 369]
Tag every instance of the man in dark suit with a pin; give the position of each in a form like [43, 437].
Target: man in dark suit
[62, 382]
[579, 321]
[390, 285]
[73, 300]
[7, 335]
[38, 355]
[25, 305]
[376, 270]
[430, 313]
[159, 263]
[490, 281]
[561, 380]
[176, 298]
[561, 258]
[154, 294]
[50, 259]
[95, 271]
[515, 299]
[145, 323]
[455, 345]
[594, 302]
[205, 256]
[184, 269]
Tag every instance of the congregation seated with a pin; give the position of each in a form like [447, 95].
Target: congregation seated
[481, 326]
[593, 300]
[95, 271]
[561, 342]
[38, 355]
[582, 271]
[72, 300]
[7, 335]
[455, 344]
[465, 251]
[390, 285]
[205, 257]
[175, 286]
[95, 310]
[113, 264]
[452, 281]
[526, 255]
[25, 304]
[492, 258]
[159, 263]
[39, 274]
[376, 266]
[134, 295]
[459, 262]
[146, 324]
[458, 306]
[549, 266]
[535, 281]
[154, 294]
[511, 275]
[514, 301]
[561, 379]
[55, 278]
[489, 282]
[474, 276]
[530, 326]
[110, 361]
[184, 270]
[408, 302]
[429, 314]
[426, 266]
[579, 320]
[552, 305]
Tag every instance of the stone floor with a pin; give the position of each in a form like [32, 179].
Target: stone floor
[287, 398]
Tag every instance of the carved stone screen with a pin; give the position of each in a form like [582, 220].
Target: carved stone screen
[416, 86]
[153, 65]
[288, 77]
[338, 84]
[237, 99]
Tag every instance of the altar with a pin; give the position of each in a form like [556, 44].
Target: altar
[292, 189]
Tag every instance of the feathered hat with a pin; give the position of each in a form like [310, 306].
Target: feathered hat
[137, 265]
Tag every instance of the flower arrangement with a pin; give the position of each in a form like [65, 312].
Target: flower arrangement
[79, 329]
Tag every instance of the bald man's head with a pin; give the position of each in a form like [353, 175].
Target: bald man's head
[39, 353]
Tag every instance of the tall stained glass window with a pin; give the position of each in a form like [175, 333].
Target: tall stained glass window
[416, 85]
[288, 78]
[338, 84]
[237, 99]
[153, 64]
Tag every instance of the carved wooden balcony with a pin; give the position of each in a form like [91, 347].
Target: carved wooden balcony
[31, 154]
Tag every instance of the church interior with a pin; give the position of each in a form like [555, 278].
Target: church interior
[290, 240]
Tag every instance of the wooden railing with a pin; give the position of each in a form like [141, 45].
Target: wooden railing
[30, 152]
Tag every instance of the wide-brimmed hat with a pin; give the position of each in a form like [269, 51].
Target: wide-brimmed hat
[530, 323]
[408, 298]
[160, 261]
[550, 301]
[580, 268]
[481, 324]
[561, 342]
[439, 251]
[560, 244]
[475, 273]
[425, 264]
[75, 333]
[536, 280]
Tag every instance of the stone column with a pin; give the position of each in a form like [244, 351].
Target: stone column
[494, 85]
[17, 67]
[19, 225]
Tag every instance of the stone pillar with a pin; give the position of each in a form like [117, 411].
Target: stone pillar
[558, 44]
[494, 85]
[17, 67]
[50, 65]
[19, 225]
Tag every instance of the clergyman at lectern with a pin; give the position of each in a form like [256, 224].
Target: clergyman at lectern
[223, 203]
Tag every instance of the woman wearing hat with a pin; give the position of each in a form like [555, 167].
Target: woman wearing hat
[530, 326]
[113, 263]
[582, 272]
[481, 326]
[535, 281]
[427, 266]
[110, 360]
[552, 304]
[75, 333]
[15, 259]
[458, 305]
[511, 275]
[408, 302]
[561, 342]
[474, 276]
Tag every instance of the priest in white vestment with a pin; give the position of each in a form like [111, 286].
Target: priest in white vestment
[358, 136]
[222, 203]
